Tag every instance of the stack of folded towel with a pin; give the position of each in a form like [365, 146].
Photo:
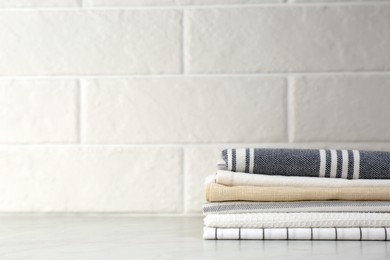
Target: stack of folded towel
[299, 194]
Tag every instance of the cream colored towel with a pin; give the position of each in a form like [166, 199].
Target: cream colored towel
[216, 192]
[246, 179]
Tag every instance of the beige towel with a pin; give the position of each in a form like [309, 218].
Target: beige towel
[216, 192]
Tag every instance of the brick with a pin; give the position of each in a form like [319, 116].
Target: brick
[90, 42]
[38, 111]
[288, 39]
[185, 110]
[39, 3]
[173, 2]
[90, 179]
[343, 108]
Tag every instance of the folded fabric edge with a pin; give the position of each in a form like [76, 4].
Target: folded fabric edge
[230, 178]
[221, 165]
[348, 164]
[210, 179]
[295, 206]
[298, 220]
[333, 233]
[219, 193]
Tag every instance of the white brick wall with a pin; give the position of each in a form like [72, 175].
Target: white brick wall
[40, 3]
[124, 105]
[94, 179]
[39, 111]
[288, 39]
[184, 110]
[98, 42]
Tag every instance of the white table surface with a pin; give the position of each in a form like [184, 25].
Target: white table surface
[127, 237]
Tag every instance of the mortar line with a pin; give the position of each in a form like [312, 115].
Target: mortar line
[183, 42]
[200, 75]
[211, 6]
[95, 214]
[195, 145]
[290, 110]
[183, 184]
[81, 112]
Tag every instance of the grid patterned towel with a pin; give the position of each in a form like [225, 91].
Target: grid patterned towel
[304, 219]
[300, 206]
[346, 164]
[218, 193]
[333, 233]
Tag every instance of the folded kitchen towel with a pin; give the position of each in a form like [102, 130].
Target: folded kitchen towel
[298, 206]
[333, 233]
[295, 220]
[243, 179]
[218, 193]
[346, 164]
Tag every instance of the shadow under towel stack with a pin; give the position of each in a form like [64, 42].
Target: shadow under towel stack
[299, 194]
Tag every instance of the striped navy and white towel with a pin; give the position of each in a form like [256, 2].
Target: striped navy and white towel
[346, 164]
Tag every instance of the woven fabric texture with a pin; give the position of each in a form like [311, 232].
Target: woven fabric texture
[346, 164]
[300, 206]
[218, 193]
[243, 179]
[333, 233]
[292, 220]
